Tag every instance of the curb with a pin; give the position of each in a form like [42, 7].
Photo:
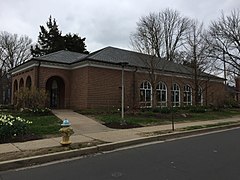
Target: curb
[34, 160]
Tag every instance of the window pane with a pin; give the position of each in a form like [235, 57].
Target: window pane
[148, 95]
[164, 97]
[158, 96]
[177, 96]
[142, 95]
[184, 97]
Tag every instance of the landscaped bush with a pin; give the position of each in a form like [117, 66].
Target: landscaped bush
[31, 98]
[12, 127]
[166, 110]
[231, 103]
[198, 109]
[37, 111]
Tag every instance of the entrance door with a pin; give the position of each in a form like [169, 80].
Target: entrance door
[56, 90]
[54, 95]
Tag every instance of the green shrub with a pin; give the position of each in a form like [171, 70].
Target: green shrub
[166, 110]
[198, 109]
[11, 127]
[156, 110]
[231, 103]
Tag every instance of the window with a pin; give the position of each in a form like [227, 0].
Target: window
[175, 93]
[187, 95]
[145, 94]
[161, 94]
[200, 96]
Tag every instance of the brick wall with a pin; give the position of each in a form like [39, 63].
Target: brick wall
[95, 87]
[79, 88]
[104, 88]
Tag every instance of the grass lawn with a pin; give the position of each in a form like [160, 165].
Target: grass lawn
[157, 117]
[44, 125]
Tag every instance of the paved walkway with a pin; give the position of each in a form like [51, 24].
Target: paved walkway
[81, 124]
[98, 132]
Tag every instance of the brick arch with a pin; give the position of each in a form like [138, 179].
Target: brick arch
[55, 87]
[21, 83]
[28, 82]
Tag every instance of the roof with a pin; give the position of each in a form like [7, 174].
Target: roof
[116, 55]
[63, 56]
[112, 55]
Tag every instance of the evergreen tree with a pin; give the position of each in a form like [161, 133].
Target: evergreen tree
[75, 43]
[51, 40]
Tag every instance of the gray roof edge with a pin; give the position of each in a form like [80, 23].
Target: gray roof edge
[25, 64]
[46, 55]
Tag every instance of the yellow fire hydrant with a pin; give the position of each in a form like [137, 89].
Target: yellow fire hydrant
[66, 131]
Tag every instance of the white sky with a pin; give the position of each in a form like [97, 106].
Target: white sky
[102, 22]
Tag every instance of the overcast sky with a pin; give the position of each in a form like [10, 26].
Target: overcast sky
[102, 22]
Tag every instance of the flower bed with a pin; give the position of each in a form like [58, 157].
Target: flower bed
[12, 127]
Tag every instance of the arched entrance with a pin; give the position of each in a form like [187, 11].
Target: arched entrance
[56, 89]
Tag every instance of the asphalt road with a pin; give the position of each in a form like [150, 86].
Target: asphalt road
[207, 157]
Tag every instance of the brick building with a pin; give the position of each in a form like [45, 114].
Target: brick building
[79, 81]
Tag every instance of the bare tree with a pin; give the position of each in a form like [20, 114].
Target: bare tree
[197, 52]
[174, 27]
[148, 38]
[225, 41]
[14, 50]
[160, 34]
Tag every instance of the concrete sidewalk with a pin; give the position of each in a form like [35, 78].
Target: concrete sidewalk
[81, 124]
[107, 135]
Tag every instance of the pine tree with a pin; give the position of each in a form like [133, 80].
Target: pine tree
[75, 43]
[51, 40]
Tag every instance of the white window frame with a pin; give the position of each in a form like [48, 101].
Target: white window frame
[200, 92]
[161, 87]
[175, 90]
[187, 92]
[146, 88]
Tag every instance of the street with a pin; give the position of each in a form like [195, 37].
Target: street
[213, 156]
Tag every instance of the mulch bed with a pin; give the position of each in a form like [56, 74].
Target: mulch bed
[117, 125]
[28, 137]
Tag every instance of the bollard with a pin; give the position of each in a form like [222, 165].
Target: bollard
[66, 131]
